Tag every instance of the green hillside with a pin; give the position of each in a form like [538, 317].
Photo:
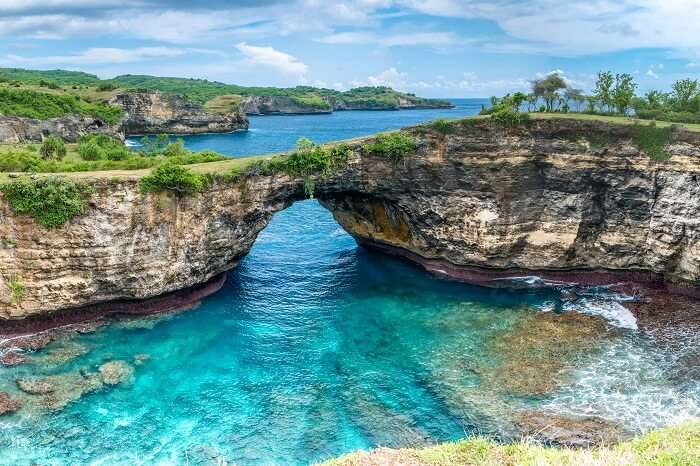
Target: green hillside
[203, 91]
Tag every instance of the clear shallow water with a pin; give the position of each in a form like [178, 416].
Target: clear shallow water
[316, 347]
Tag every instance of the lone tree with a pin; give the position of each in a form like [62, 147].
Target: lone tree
[603, 90]
[623, 92]
[684, 93]
[52, 148]
[548, 89]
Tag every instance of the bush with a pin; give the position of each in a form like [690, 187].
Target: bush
[510, 117]
[172, 178]
[91, 151]
[53, 148]
[443, 126]
[394, 146]
[176, 149]
[50, 201]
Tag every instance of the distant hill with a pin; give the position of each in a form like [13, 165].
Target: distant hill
[222, 96]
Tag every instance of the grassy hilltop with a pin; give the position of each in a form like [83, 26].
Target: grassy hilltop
[216, 96]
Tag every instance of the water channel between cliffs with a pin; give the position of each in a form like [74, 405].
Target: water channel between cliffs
[315, 347]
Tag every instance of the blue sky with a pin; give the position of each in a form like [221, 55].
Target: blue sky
[440, 48]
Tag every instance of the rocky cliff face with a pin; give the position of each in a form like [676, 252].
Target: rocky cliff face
[152, 113]
[259, 105]
[17, 130]
[562, 196]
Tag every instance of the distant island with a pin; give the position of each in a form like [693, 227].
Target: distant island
[216, 97]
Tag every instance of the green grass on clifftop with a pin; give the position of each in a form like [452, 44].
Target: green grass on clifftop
[673, 446]
[44, 105]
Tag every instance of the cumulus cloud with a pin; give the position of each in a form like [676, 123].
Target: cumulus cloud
[268, 56]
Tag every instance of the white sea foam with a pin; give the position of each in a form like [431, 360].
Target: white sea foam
[607, 307]
[628, 383]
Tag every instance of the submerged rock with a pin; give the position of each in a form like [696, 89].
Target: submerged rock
[55, 392]
[36, 386]
[7, 404]
[580, 432]
[115, 372]
[534, 353]
[12, 358]
[64, 353]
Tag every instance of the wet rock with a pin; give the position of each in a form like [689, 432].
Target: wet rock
[7, 404]
[579, 432]
[28, 342]
[115, 372]
[12, 358]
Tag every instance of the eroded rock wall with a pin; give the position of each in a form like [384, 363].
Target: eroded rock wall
[559, 196]
[153, 112]
[18, 130]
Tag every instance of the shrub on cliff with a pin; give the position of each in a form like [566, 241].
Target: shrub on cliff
[172, 178]
[51, 201]
[93, 147]
[394, 146]
[52, 148]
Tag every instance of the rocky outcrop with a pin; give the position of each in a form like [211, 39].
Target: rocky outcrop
[269, 105]
[18, 130]
[560, 198]
[153, 113]
[284, 105]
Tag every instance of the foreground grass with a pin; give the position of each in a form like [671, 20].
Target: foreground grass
[672, 446]
[614, 119]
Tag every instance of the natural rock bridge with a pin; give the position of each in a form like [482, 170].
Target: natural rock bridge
[478, 203]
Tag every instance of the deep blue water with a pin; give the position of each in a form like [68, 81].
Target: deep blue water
[277, 133]
[316, 347]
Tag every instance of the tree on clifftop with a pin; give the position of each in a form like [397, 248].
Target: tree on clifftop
[548, 89]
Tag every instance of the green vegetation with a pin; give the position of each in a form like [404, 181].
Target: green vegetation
[653, 140]
[52, 148]
[16, 288]
[443, 126]
[506, 110]
[615, 95]
[394, 146]
[42, 105]
[52, 201]
[174, 179]
[672, 446]
[98, 152]
[216, 96]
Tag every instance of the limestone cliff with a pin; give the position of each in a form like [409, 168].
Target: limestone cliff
[559, 196]
[18, 130]
[153, 112]
[268, 105]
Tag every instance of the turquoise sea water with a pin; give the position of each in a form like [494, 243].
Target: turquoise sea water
[316, 347]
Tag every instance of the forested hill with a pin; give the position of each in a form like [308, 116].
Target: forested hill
[218, 94]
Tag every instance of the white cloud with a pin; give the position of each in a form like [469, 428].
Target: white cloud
[268, 56]
[390, 77]
[99, 55]
[391, 40]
